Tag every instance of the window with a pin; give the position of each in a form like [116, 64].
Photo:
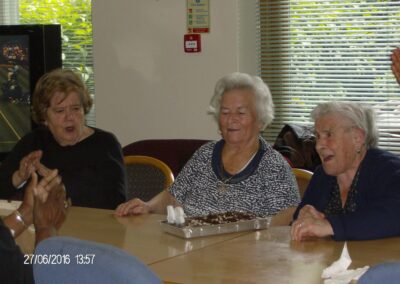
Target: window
[74, 16]
[320, 50]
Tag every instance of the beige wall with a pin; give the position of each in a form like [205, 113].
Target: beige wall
[146, 85]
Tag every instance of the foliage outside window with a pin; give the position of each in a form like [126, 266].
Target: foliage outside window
[74, 16]
[321, 50]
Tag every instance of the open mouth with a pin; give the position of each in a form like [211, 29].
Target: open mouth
[70, 128]
[327, 158]
[232, 130]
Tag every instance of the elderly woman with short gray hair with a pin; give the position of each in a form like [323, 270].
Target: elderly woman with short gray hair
[240, 172]
[355, 194]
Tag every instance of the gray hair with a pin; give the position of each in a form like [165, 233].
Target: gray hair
[234, 81]
[362, 116]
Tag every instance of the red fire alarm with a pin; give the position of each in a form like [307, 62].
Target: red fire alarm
[192, 42]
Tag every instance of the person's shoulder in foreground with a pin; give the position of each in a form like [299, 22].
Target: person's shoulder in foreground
[387, 273]
[90, 263]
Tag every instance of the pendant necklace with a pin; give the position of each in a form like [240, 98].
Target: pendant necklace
[222, 185]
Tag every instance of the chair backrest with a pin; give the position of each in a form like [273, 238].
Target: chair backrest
[285, 217]
[147, 176]
[174, 152]
[303, 177]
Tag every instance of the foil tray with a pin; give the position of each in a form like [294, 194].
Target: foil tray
[188, 232]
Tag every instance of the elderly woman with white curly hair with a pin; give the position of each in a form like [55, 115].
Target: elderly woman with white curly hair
[240, 172]
[355, 194]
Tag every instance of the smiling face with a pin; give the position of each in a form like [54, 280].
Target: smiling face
[238, 119]
[65, 118]
[338, 142]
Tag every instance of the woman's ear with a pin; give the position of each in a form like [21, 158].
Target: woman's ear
[260, 126]
[358, 137]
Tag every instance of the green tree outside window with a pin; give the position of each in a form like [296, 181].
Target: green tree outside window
[75, 19]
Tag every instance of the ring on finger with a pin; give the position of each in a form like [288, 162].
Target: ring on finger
[67, 203]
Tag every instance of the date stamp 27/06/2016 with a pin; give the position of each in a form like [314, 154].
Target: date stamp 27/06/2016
[54, 259]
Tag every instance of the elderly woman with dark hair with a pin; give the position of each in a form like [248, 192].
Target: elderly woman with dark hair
[241, 172]
[89, 160]
[355, 194]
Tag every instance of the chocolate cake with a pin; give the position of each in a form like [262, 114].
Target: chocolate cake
[218, 218]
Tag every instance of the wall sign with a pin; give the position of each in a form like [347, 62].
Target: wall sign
[198, 16]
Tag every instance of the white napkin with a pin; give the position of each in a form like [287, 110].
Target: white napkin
[170, 214]
[175, 215]
[338, 273]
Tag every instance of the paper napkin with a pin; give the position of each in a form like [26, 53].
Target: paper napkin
[338, 273]
[175, 215]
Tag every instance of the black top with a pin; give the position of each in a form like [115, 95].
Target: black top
[12, 267]
[92, 170]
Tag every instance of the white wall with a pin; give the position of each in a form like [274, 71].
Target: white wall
[146, 85]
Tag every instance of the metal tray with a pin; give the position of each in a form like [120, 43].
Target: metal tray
[189, 232]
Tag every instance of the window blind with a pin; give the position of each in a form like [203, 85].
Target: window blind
[322, 50]
[74, 16]
[8, 12]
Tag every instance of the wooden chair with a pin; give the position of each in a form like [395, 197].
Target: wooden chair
[147, 176]
[303, 177]
[284, 217]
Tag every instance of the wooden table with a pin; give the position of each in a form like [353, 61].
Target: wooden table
[139, 235]
[269, 256]
[266, 256]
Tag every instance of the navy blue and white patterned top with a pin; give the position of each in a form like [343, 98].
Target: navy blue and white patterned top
[266, 186]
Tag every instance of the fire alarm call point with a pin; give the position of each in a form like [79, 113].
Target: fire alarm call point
[192, 42]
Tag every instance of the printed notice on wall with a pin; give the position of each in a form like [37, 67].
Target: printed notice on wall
[198, 16]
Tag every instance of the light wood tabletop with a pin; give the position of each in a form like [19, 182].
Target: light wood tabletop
[269, 256]
[140, 235]
[264, 256]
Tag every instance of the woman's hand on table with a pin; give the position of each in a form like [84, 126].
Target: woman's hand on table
[310, 223]
[310, 211]
[132, 207]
